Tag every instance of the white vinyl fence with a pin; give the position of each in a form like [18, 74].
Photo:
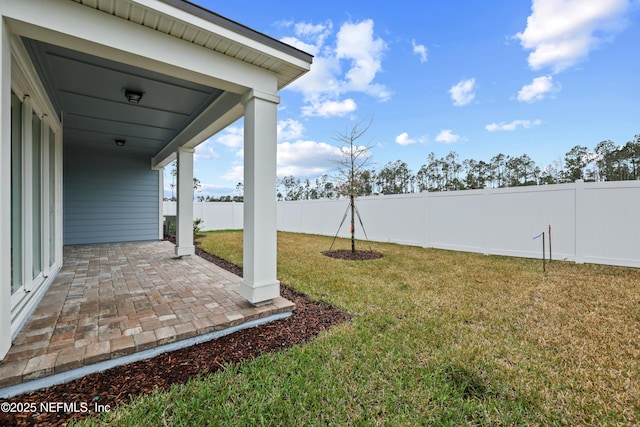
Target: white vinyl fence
[590, 222]
[214, 215]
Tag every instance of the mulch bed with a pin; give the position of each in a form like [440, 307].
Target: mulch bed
[119, 385]
[347, 254]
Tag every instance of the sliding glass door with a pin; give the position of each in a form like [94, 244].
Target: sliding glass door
[35, 170]
[52, 199]
[16, 194]
[36, 195]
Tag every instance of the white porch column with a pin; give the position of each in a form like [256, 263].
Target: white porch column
[5, 190]
[260, 284]
[161, 204]
[184, 212]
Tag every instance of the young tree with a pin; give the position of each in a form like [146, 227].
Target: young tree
[351, 166]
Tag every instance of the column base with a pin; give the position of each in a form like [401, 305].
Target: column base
[182, 251]
[260, 293]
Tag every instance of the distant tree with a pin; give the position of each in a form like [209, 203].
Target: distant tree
[395, 178]
[291, 188]
[325, 187]
[239, 197]
[607, 162]
[498, 170]
[197, 185]
[528, 170]
[174, 174]
[422, 178]
[604, 161]
[477, 173]
[429, 175]
[452, 170]
[631, 154]
[575, 162]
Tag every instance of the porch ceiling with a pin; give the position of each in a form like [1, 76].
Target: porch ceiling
[89, 91]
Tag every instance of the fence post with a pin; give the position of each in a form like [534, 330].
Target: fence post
[580, 228]
[426, 243]
[489, 227]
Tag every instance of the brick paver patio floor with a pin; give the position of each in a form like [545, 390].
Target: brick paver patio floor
[116, 299]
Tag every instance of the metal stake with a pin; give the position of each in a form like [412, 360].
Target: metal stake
[543, 254]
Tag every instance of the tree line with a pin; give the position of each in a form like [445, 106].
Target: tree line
[606, 162]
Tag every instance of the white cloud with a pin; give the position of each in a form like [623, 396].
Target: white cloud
[289, 129]
[216, 190]
[538, 89]
[308, 29]
[560, 34]
[330, 108]
[357, 44]
[322, 82]
[403, 139]
[299, 44]
[205, 151]
[462, 92]
[305, 159]
[527, 124]
[447, 136]
[236, 174]
[232, 137]
[315, 34]
[420, 50]
[302, 159]
[345, 62]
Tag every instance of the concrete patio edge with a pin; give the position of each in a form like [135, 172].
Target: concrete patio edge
[64, 377]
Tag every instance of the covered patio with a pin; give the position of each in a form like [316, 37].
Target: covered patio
[96, 98]
[116, 303]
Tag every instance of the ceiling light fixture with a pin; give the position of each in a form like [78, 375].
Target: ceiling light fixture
[120, 142]
[133, 96]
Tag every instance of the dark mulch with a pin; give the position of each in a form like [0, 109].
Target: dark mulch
[352, 256]
[120, 385]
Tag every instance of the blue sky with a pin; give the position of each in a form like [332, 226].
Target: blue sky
[478, 78]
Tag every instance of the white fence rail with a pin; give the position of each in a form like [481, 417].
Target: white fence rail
[590, 222]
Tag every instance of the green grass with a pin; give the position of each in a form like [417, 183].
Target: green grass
[438, 338]
[220, 231]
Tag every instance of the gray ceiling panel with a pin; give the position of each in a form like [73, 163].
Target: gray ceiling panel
[119, 129]
[120, 112]
[89, 92]
[79, 139]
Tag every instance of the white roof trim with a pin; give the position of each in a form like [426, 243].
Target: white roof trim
[194, 24]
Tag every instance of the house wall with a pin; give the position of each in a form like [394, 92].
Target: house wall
[110, 195]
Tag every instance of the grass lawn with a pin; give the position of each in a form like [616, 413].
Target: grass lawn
[438, 338]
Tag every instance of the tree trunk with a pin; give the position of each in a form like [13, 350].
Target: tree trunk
[353, 223]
